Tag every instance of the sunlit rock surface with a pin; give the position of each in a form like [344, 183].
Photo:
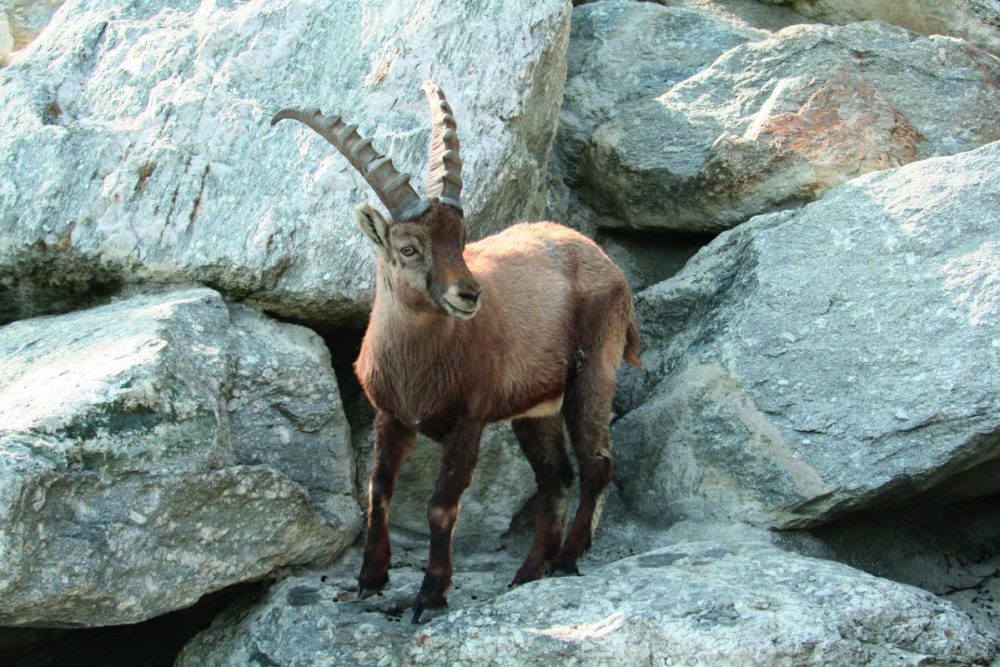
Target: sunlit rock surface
[693, 603]
[777, 123]
[159, 448]
[816, 362]
[135, 143]
[977, 21]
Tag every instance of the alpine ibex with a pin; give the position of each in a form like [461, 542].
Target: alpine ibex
[530, 324]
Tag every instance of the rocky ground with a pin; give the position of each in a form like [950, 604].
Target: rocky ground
[803, 196]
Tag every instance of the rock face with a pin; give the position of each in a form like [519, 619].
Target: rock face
[6, 40]
[814, 362]
[135, 145]
[780, 122]
[132, 479]
[26, 18]
[622, 53]
[693, 603]
[977, 21]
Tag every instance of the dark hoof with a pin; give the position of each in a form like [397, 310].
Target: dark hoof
[564, 570]
[366, 590]
[522, 577]
[425, 610]
[365, 593]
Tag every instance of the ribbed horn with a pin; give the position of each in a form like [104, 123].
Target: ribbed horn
[444, 168]
[392, 187]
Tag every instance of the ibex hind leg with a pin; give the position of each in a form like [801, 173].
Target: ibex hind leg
[588, 412]
[543, 444]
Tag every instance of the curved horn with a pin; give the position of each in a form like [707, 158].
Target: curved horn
[444, 168]
[392, 187]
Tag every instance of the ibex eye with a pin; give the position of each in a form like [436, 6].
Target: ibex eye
[408, 251]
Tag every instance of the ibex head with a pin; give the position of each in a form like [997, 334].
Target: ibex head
[420, 245]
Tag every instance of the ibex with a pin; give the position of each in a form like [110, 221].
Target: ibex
[529, 325]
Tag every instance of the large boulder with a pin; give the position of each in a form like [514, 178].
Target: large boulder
[144, 457]
[840, 357]
[135, 144]
[977, 21]
[776, 123]
[701, 603]
[24, 20]
[622, 53]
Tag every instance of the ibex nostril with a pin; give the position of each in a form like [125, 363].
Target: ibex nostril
[468, 291]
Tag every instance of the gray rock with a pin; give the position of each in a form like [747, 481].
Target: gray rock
[949, 549]
[699, 603]
[777, 123]
[313, 619]
[623, 52]
[135, 145]
[6, 40]
[284, 407]
[811, 363]
[647, 259]
[977, 21]
[25, 19]
[129, 481]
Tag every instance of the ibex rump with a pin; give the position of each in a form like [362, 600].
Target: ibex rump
[530, 324]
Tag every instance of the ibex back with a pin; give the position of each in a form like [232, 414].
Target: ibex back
[530, 325]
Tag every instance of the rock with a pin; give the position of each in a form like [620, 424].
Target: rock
[623, 52]
[285, 409]
[977, 21]
[840, 357]
[777, 123]
[132, 473]
[949, 549]
[6, 40]
[135, 145]
[313, 619]
[691, 603]
[647, 259]
[502, 484]
[25, 19]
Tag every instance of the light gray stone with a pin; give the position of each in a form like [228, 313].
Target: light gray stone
[811, 363]
[977, 21]
[129, 478]
[698, 603]
[6, 40]
[24, 20]
[284, 407]
[135, 145]
[623, 52]
[776, 123]
[950, 549]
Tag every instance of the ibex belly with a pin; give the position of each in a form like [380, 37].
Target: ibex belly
[543, 409]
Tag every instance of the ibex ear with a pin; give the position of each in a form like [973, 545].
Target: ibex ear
[372, 224]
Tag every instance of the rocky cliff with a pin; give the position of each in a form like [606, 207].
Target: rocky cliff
[805, 197]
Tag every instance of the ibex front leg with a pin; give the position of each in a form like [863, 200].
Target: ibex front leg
[393, 442]
[458, 459]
